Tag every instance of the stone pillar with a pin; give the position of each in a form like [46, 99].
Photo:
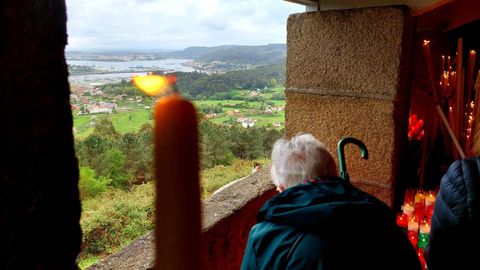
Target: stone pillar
[39, 200]
[348, 75]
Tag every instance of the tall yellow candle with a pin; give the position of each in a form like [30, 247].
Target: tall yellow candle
[178, 216]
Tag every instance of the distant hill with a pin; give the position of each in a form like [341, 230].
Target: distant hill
[223, 58]
[197, 51]
[253, 55]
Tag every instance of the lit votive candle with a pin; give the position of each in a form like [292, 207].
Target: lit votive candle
[420, 196]
[409, 196]
[429, 199]
[413, 237]
[408, 209]
[421, 258]
[423, 236]
[422, 240]
[413, 225]
[402, 220]
[419, 210]
[425, 228]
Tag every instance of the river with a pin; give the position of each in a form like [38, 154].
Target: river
[112, 72]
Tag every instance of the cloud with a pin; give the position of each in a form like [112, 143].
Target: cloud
[174, 24]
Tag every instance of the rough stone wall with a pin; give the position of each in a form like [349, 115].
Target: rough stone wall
[39, 201]
[227, 219]
[347, 75]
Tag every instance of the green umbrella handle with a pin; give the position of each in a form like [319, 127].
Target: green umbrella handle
[341, 154]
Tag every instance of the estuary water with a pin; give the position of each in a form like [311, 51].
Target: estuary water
[111, 71]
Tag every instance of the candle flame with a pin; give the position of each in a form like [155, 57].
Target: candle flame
[154, 85]
[473, 52]
[425, 42]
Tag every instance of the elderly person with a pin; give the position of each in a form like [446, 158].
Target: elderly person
[320, 221]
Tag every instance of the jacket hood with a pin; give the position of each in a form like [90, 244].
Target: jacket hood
[331, 202]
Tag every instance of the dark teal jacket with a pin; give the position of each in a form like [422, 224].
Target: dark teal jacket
[328, 225]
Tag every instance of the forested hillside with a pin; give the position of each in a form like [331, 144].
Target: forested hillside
[195, 84]
[254, 55]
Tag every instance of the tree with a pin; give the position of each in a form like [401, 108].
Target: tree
[271, 135]
[214, 145]
[104, 128]
[111, 165]
[89, 185]
[138, 150]
[246, 143]
[92, 146]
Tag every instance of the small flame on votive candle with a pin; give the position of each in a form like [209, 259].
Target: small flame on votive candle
[153, 85]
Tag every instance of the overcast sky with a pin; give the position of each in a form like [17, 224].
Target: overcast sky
[175, 24]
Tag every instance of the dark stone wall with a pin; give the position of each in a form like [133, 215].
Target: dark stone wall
[39, 200]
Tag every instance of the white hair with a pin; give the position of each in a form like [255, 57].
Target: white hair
[303, 157]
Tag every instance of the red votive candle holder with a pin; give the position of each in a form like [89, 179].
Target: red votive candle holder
[402, 220]
[419, 210]
[408, 209]
[421, 258]
[413, 237]
[409, 196]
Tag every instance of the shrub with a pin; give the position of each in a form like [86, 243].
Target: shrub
[115, 219]
[89, 185]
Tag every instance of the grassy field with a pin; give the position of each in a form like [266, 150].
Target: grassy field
[123, 122]
[132, 120]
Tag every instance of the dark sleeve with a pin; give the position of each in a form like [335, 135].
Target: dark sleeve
[449, 214]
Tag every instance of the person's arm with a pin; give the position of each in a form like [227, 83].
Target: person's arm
[445, 234]
[249, 257]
